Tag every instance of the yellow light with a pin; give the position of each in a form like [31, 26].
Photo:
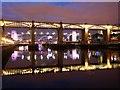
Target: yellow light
[108, 63]
[8, 40]
[35, 33]
[2, 23]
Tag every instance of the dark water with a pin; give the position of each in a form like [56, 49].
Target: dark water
[73, 68]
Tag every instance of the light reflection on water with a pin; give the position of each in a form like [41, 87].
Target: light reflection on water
[47, 60]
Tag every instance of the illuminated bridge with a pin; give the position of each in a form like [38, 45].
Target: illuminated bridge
[60, 27]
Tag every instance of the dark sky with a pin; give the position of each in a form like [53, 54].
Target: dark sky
[71, 12]
[76, 12]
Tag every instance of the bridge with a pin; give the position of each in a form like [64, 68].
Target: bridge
[60, 27]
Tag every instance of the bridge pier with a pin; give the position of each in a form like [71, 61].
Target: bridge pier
[106, 36]
[33, 46]
[60, 34]
[84, 57]
[32, 33]
[60, 59]
[2, 30]
[33, 61]
[1, 34]
[85, 35]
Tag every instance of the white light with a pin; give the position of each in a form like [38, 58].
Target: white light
[64, 33]
[35, 57]
[41, 57]
[22, 57]
[21, 48]
[28, 57]
[14, 56]
[65, 56]
[26, 47]
[22, 33]
[74, 54]
[49, 55]
[41, 33]
[49, 37]
[53, 57]
[8, 33]
[74, 35]
[14, 35]
[49, 50]
[47, 33]
[53, 33]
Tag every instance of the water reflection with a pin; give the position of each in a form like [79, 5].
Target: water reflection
[47, 60]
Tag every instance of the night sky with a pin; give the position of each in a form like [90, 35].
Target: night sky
[81, 12]
[70, 12]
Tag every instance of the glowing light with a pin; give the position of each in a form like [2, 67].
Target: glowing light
[74, 35]
[8, 33]
[26, 47]
[35, 33]
[22, 33]
[22, 57]
[35, 57]
[74, 54]
[89, 54]
[53, 57]
[108, 63]
[41, 57]
[49, 37]
[49, 50]
[65, 56]
[2, 23]
[41, 33]
[28, 33]
[14, 35]
[21, 48]
[28, 57]
[49, 55]
[64, 33]
[53, 33]
[8, 40]
[86, 63]
[47, 33]
[14, 56]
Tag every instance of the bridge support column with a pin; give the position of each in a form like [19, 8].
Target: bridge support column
[33, 46]
[32, 33]
[1, 34]
[60, 34]
[108, 60]
[33, 61]
[84, 57]
[60, 59]
[85, 36]
[106, 36]
[2, 30]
